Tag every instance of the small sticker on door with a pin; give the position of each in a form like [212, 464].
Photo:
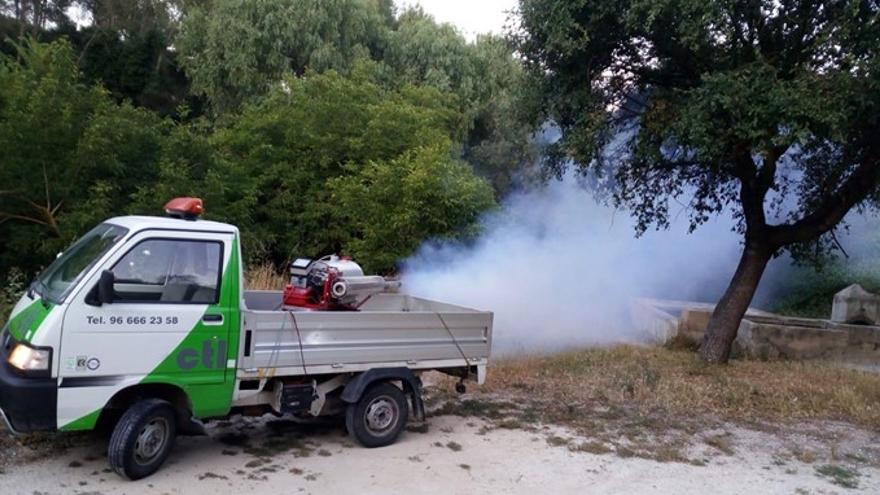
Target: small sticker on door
[83, 363]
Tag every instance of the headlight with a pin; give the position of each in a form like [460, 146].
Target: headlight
[26, 358]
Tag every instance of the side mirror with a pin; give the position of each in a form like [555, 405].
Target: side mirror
[106, 294]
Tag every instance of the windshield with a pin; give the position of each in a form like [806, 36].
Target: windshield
[62, 275]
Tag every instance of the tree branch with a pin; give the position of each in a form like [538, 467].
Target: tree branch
[862, 182]
[12, 216]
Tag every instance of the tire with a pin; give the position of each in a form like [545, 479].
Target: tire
[142, 439]
[377, 419]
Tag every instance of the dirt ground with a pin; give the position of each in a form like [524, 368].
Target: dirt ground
[463, 455]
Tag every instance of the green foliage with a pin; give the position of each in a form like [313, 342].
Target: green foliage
[137, 67]
[361, 38]
[812, 292]
[77, 154]
[766, 108]
[488, 81]
[272, 172]
[843, 476]
[10, 292]
[318, 109]
[126, 49]
[395, 205]
[272, 38]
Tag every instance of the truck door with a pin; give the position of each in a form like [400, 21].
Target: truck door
[169, 322]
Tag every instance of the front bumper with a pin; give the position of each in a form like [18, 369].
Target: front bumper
[27, 403]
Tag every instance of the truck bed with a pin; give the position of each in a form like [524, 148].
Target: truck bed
[390, 330]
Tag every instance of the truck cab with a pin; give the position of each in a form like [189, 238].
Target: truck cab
[174, 303]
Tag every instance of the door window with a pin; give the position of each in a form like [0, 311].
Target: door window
[169, 271]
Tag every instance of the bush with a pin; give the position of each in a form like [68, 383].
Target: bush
[811, 292]
[395, 205]
[10, 293]
[79, 157]
[73, 156]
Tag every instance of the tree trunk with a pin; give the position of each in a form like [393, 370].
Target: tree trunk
[730, 310]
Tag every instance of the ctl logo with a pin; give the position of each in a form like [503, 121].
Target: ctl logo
[189, 358]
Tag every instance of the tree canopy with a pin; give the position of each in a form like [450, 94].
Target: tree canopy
[286, 116]
[765, 108]
[236, 51]
[277, 37]
[74, 154]
[280, 167]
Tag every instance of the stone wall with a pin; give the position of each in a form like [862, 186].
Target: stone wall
[768, 336]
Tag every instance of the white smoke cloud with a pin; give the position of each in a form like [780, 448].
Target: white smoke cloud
[558, 269]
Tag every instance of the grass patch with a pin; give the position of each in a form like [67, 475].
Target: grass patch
[454, 446]
[653, 402]
[418, 428]
[488, 409]
[511, 424]
[555, 441]
[806, 456]
[840, 475]
[721, 443]
[210, 475]
[855, 457]
[264, 277]
[663, 383]
[591, 447]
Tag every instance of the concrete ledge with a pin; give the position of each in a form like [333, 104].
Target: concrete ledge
[762, 335]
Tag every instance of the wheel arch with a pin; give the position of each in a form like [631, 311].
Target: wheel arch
[412, 386]
[125, 398]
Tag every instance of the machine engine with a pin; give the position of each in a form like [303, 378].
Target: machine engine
[331, 284]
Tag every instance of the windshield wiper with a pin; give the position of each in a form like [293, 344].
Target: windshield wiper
[38, 282]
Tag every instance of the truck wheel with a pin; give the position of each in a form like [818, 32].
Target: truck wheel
[377, 419]
[142, 439]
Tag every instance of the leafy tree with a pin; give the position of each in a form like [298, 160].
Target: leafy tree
[395, 205]
[236, 51]
[765, 107]
[500, 145]
[277, 169]
[279, 37]
[136, 67]
[74, 155]
[132, 18]
[134, 63]
[36, 15]
[486, 78]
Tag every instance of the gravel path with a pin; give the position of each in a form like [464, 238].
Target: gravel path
[456, 455]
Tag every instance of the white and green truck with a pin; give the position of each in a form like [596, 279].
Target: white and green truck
[144, 326]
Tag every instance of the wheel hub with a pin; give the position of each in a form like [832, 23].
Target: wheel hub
[381, 414]
[151, 440]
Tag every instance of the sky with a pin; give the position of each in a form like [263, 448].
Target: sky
[472, 17]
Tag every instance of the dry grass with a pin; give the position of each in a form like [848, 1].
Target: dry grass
[658, 403]
[654, 380]
[264, 277]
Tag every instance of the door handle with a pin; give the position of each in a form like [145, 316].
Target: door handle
[212, 318]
